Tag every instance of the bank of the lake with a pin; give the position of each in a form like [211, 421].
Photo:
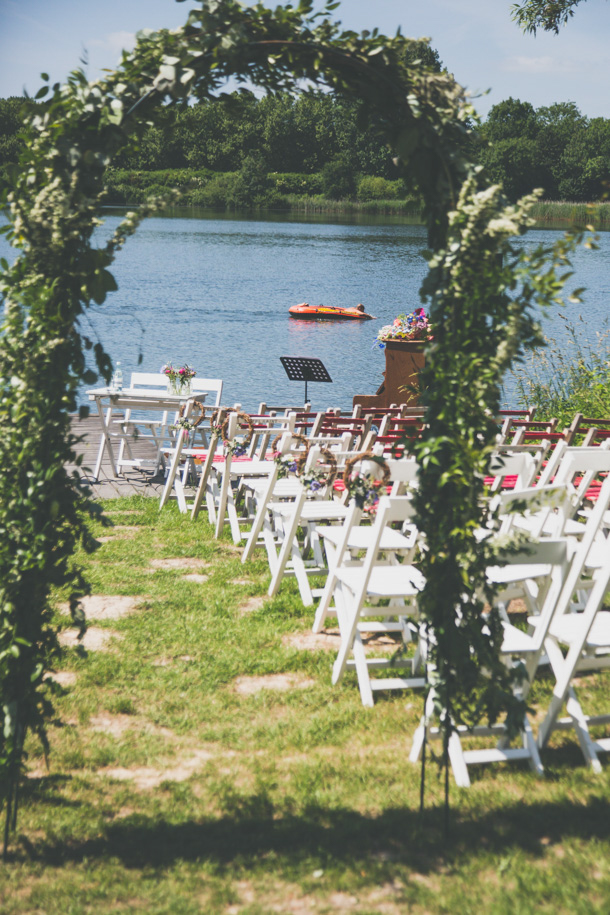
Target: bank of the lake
[303, 193]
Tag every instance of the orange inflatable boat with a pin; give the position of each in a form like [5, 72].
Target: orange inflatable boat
[331, 312]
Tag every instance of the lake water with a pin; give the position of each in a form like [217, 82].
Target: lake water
[214, 292]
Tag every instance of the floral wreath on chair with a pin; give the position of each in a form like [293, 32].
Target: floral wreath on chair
[290, 462]
[315, 479]
[363, 487]
[189, 424]
[220, 425]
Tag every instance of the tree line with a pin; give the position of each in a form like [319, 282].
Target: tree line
[322, 143]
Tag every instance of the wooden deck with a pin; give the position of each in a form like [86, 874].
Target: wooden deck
[131, 482]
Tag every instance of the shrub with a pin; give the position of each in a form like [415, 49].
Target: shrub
[371, 187]
[297, 183]
[217, 192]
[338, 181]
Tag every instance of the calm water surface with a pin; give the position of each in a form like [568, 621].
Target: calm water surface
[215, 291]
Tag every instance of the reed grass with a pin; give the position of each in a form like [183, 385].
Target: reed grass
[567, 377]
[564, 213]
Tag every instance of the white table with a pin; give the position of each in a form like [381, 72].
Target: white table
[150, 399]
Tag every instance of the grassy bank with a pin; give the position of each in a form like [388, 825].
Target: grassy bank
[288, 192]
[186, 778]
[303, 193]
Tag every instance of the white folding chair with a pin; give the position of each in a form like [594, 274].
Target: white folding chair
[211, 387]
[518, 648]
[523, 465]
[287, 553]
[343, 544]
[152, 430]
[230, 476]
[357, 591]
[578, 642]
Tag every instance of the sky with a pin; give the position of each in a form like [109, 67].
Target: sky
[476, 40]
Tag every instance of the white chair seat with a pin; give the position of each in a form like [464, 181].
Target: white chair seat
[360, 537]
[504, 575]
[384, 581]
[315, 510]
[567, 629]
[516, 641]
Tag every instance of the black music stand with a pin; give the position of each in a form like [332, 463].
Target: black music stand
[300, 368]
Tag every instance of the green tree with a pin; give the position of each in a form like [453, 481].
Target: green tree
[11, 123]
[548, 15]
[514, 163]
[252, 182]
[557, 125]
[511, 119]
[585, 164]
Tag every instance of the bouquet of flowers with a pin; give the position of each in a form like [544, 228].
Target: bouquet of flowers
[178, 378]
[413, 327]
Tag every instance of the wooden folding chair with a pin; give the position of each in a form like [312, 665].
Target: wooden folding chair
[512, 471]
[578, 643]
[357, 590]
[287, 552]
[333, 426]
[520, 648]
[526, 430]
[343, 544]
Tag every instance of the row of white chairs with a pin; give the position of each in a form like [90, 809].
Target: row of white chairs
[563, 578]
[568, 556]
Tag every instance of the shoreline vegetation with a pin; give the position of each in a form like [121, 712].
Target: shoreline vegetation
[302, 193]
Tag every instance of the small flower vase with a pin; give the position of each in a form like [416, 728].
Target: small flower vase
[179, 385]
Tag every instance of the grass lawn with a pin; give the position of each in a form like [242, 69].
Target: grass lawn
[178, 785]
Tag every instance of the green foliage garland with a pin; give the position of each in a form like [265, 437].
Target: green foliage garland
[55, 203]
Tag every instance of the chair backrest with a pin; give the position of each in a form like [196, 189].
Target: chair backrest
[525, 430]
[580, 465]
[148, 380]
[522, 466]
[273, 408]
[527, 414]
[558, 554]
[211, 386]
[266, 428]
[540, 504]
[336, 425]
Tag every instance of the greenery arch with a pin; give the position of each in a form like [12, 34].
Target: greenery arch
[481, 323]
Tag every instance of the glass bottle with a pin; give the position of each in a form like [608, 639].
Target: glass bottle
[117, 379]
